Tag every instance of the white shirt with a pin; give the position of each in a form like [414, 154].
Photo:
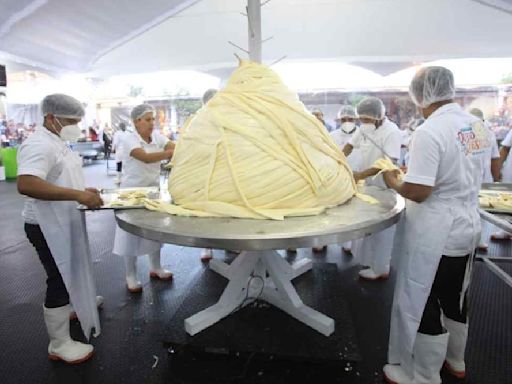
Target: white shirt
[117, 144]
[39, 156]
[137, 173]
[506, 170]
[491, 153]
[388, 137]
[341, 138]
[446, 154]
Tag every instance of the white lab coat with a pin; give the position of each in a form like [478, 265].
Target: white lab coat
[117, 144]
[375, 250]
[491, 152]
[64, 230]
[506, 169]
[341, 138]
[138, 174]
[447, 223]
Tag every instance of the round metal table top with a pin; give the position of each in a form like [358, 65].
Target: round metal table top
[352, 220]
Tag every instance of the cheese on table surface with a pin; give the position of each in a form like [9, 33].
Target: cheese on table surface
[128, 198]
[254, 151]
[496, 200]
[385, 164]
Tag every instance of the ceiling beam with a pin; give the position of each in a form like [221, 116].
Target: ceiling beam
[498, 5]
[20, 15]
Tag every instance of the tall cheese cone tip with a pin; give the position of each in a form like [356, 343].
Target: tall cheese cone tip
[254, 151]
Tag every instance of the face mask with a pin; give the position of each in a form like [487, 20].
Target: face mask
[69, 132]
[348, 126]
[367, 128]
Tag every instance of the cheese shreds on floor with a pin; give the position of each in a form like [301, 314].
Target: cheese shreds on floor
[254, 151]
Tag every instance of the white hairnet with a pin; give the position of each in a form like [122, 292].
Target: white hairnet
[430, 85]
[140, 110]
[347, 111]
[371, 107]
[477, 112]
[208, 95]
[61, 105]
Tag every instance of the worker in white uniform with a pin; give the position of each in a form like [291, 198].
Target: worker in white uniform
[50, 174]
[505, 177]
[436, 236]
[347, 118]
[377, 137]
[117, 146]
[490, 165]
[207, 253]
[145, 149]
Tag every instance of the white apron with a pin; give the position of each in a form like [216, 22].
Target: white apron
[418, 247]
[375, 250]
[126, 244]
[506, 170]
[64, 229]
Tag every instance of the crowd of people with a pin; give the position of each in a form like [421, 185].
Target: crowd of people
[448, 156]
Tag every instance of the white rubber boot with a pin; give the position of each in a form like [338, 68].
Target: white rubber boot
[206, 255]
[99, 305]
[500, 236]
[61, 346]
[370, 274]
[429, 353]
[394, 374]
[454, 362]
[132, 283]
[155, 269]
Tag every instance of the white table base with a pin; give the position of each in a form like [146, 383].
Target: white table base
[266, 275]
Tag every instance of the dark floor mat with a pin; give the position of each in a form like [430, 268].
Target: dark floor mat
[134, 327]
[489, 352]
[265, 329]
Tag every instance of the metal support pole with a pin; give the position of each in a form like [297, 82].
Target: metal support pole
[254, 18]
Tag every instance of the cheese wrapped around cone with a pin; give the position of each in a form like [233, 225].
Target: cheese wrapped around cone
[254, 151]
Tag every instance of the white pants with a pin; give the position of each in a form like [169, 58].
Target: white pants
[128, 245]
[375, 250]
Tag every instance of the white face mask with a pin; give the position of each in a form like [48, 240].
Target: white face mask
[348, 126]
[69, 132]
[367, 128]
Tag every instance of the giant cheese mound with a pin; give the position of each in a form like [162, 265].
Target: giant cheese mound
[254, 151]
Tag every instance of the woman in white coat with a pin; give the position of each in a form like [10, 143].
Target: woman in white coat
[376, 138]
[347, 117]
[144, 150]
[51, 176]
[437, 235]
[505, 177]
[490, 166]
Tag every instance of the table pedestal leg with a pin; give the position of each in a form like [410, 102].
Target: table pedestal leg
[263, 273]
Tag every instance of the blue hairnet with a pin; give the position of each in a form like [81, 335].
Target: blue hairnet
[371, 107]
[140, 110]
[430, 85]
[61, 105]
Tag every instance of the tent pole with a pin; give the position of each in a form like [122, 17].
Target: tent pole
[254, 18]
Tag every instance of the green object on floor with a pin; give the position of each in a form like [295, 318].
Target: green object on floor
[8, 156]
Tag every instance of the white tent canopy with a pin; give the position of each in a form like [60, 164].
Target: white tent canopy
[104, 38]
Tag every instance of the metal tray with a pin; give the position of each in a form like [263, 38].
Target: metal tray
[110, 195]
